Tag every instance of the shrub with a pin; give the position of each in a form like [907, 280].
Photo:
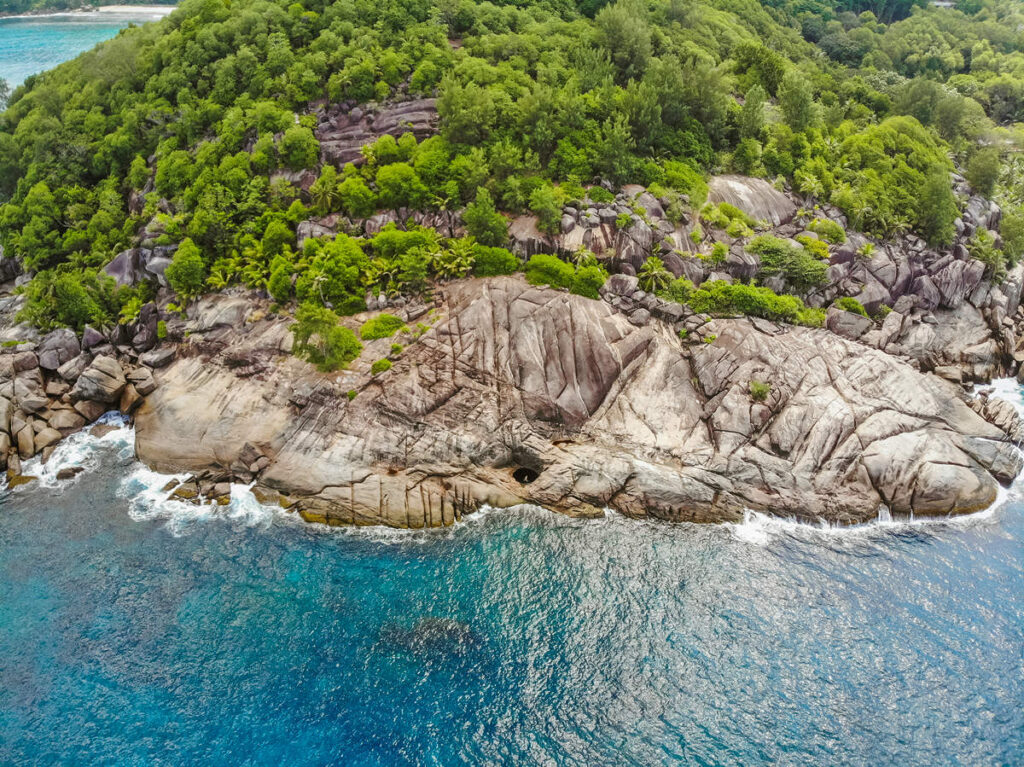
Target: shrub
[982, 247]
[624, 220]
[737, 228]
[679, 290]
[828, 230]
[396, 348]
[299, 148]
[543, 269]
[161, 330]
[351, 394]
[721, 298]
[588, 281]
[849, 304]
[1011, 228]
[814, 246]
[491, 262]
[759, 390]
[684, 178]
[719, 252]
[321, 340]
[795, 265]
[600, 195]
[380, 366]
[382, 326]
[735, 214]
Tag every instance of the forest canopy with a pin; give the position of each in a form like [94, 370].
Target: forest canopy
[195, 128]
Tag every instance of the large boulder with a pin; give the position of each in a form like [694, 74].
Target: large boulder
[102, 381]
[57, 348]
[754, 196]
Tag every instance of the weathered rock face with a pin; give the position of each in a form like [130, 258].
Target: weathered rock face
[343, 129]
[754, 196]
[525, 394]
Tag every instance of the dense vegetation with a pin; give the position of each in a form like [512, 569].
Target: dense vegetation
[192, 131]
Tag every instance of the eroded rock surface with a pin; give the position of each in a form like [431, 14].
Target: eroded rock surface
[526, 394]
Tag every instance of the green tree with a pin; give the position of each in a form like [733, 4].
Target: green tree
[751, 120]
[983, 170]
[321, 340]
[937, 208]
[356, 198]
[653, 276]
[299, 148]
[324, 193]
[623, 31]
[796, 100]
[483, 222]
[400, 187]
[186, 273]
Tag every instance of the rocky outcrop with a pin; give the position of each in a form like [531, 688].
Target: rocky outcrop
[754, 196]
[343, 129]
[525, 394]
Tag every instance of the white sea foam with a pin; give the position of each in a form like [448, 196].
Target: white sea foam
[80, 450]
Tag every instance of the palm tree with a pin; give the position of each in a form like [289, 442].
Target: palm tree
[654, 277]
[456, 260]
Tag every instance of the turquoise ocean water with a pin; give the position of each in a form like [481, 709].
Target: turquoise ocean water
[136, 632]
[33, 44]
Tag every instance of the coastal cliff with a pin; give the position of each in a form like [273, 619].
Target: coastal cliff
[519, 394]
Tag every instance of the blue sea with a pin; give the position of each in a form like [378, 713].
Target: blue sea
[32, 44]
[135, 631]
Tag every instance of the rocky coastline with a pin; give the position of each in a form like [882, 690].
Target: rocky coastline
[506, 393]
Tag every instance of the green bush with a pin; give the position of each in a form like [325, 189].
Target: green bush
[982, 247]
[600, 195]
[588, 281]
[624, 221]
[828, 230]
[161, 330]
[380, 366]
[321, 340]
[759, 390]
[736, 228]
[492, 262]
[721, 298]
[679, 290]
[543, 269]
[382, 326]
[801, 270]
[396, 348]
[849, 304]
[814, 246]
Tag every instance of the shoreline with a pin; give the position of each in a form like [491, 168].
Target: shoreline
[154, 11]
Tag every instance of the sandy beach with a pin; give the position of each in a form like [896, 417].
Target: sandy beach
[155, 10]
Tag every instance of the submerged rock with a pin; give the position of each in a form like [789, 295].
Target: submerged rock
[431, 636]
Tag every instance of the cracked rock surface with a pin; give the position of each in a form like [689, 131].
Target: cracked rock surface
[523, 394]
